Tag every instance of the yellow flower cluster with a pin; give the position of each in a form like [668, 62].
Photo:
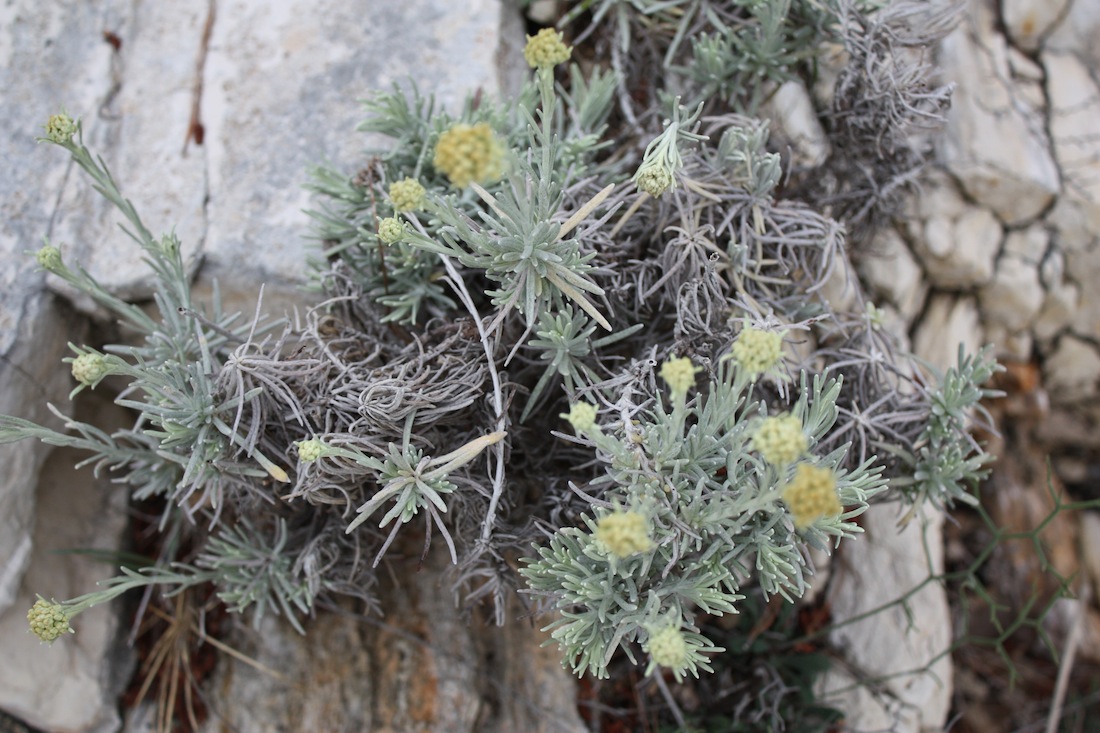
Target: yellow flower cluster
[758, 351]
[679, 374]
[60, 128]
[623, 533]
[310, 450]
[546, 49]
[780, 440]
[49, 258]
[654, 180]
[668, 648]
[582, 416]
[48, 620]
[406, 195]
[89, 368]
[468, 154]
[811, 495]
[390, 230]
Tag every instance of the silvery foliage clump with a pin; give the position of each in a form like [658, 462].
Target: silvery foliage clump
[637, 217]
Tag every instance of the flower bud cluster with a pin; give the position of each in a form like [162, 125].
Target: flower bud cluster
[469, 154]
[406, 195]
[546, 49]
[780, 440]
[48, 620]
[758, 351]
[811, 495]
[624, 533]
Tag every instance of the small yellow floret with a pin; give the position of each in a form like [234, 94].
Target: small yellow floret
[679, 374]
[811, 495]
[89, 368]
[469, 154]
[49, 258]
[668, 648]
[60, 128]
[780, 440]
[758, 351]
[545, 49]
[48, 620]
[390, 230]
[654, 180]
[310, 450]
[406, 195]
[582, 416]
[623, 533]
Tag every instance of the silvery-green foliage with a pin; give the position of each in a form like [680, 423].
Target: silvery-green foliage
[716, 515]
[948, 462]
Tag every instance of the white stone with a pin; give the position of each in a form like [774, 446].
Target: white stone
[1083, 268]
[280, 93]
[893, 644]
[1075, 129]
[34, 328]
[1014, 296]
[1078, 31]
[841, 286]
[960, 252]
[890, 269]
[1057, 312]
[795, 121]
[1011, 345]
[948, 321]
[74, 683]
[1028, 21]
[995, 142]
[1072, 371]
[422, 667]
[1027, 245]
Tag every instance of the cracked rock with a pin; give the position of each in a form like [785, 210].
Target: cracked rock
[995, 141]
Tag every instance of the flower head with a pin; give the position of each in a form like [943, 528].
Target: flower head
[624, 533]
[468, 154]
[679, 374]
[780, 440]
[406, 195]
[48, 620]
[310, 450]
[49, 258]
[654, 180]
[391, 229]
[89, 368]
[546, 49]
[667, 647]
[582, 416]
[811, 495]
[758, 351]
[60, 128]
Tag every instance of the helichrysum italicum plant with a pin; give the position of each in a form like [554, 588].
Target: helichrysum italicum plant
[637, 390]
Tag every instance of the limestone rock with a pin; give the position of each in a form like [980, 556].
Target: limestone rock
[1073, 370]
[956, 243]
[1075, 131]
[890, 268]
[948, 321]
[894, 644]
[73, 684]
[1014, 296]
[995, 142]
[1059, 306]
[279, 89]
[423, 666]
[1029, 21]
[795, 122]
[1083, 268]
[1078, 31]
